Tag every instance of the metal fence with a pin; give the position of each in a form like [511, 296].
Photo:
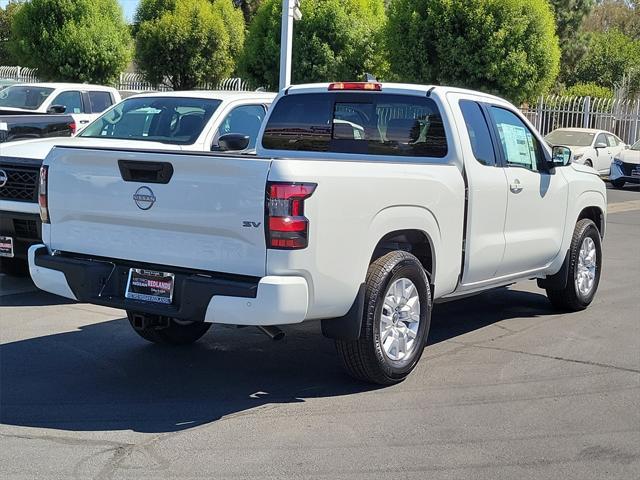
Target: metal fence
[135, 81]
[128, 81]
[19, 74]
[615, 115]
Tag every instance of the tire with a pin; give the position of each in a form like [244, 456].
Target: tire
[617, 183]
[156, 330]
[571, 298]
[369, 358]
[15, 267]
[588, 163]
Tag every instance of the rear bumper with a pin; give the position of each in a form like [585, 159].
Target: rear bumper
[198, 296]
[623, 173]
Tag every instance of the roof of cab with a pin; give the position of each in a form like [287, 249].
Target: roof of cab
[390, 87]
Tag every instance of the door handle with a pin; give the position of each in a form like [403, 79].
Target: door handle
[84, 121]
[516, 186]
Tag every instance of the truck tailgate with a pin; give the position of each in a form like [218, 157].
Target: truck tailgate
[207, 214]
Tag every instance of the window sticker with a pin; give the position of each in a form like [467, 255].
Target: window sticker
[518, 145]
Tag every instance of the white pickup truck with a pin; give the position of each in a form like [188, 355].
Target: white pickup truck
[194, 121]
[83, 102]
[366, 203]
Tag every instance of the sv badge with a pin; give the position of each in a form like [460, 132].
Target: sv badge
[251, 224]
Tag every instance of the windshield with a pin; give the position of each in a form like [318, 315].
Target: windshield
[173, 120]
[570, 138]
[20, 96]
[636, 146]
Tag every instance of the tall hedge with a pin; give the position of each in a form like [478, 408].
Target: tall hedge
[608, 57]
[188, 42]
[335, 40]
[508, 47]
[72, 40]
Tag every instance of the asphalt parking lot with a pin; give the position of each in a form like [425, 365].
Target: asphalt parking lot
[506, 389]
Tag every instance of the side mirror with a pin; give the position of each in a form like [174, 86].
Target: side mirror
[233, 142]
[57, 109]
[560, 156]
[601, 145]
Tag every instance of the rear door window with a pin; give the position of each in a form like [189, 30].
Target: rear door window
[370, 124]
[100, 101]
[479, 135]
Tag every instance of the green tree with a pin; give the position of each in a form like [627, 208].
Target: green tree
[569, 16]
[589, 90]
[249, 8]
[621, 14]
[6, 20]
[188, 42]
[610, 55]
[508, 47]
[335, 40]
[72, 40]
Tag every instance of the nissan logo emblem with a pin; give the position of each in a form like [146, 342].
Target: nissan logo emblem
[4, 178]
[144, 198]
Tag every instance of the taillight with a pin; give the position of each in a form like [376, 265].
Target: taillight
[371, 86]
[73, 127]
[43, 200]
[286, 226]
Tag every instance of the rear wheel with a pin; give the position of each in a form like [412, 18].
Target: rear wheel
[617, 183]
[588, 163]
[166, 330]
[585, 261]
[395, 322]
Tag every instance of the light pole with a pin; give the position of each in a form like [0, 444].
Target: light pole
[290, 12]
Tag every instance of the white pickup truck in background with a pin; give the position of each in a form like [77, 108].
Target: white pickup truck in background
[83, 102]
[195, 121]
[365, 204]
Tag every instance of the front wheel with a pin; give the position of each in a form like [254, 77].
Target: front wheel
[618, 183]
[585, 263]
[165, 330]
[395, 321]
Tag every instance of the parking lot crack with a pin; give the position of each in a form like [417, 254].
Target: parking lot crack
[555, 357]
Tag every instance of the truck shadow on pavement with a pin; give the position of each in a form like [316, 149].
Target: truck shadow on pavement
[103, 377]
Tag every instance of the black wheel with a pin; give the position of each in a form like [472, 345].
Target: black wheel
[14, 266]
[395, 323]
[588, 163]
[165, 330]
[617, 183]
[585, 262]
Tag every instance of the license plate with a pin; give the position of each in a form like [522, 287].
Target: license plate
[6, 247]
[150, 286]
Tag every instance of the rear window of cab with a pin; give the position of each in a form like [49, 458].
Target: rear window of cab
[357, 123]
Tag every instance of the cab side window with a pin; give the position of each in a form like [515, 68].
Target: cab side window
[612, 141]
[479, 135]
[602, 139]
[520, 147]
[71, 100]
[246, 120]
